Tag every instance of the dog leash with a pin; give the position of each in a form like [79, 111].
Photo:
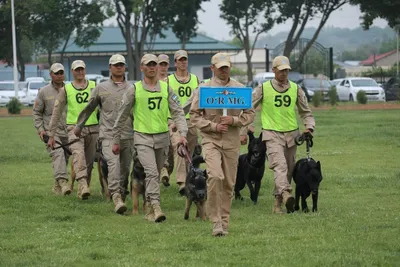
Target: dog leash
[305, 137]
[185, 153]
[63, 146]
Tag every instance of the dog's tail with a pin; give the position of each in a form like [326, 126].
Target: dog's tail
[197, 160]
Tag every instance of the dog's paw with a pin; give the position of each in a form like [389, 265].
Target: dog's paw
[296, 207]
[314, 210]
[306, 210]
[186, 217]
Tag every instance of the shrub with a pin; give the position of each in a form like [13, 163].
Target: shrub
[317, 98]
[332, 94]
[362, 97]
[14, 106]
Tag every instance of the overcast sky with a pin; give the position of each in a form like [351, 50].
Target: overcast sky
[211, 23]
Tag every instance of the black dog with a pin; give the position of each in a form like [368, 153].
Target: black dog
[196, 188]
[307, 176]
[137, 185]
[251, 168]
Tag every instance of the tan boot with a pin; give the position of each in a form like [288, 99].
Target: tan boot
[65, 188]
[217, 229]
[288, 199]
[149, 212]
[120, 206]
[56, 188]
[164, 177]
[159, 216]
[83, 189]
[278, 205]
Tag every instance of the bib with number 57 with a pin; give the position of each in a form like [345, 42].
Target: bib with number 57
[278, 108]
[151, 109]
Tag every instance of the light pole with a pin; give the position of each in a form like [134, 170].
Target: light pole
[266, 58]
[397, 63]
[14, 45]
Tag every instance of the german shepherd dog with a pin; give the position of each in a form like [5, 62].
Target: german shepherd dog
[307, 176]
[137, 185]
[251, 167]
[196, 188]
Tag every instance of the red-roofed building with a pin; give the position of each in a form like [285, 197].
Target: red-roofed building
[387, 59]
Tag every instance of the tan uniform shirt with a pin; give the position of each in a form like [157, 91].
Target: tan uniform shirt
[107, 95]
[158, 140]
[206, 120]
[43, 110]
[59, 106]
[302, 107]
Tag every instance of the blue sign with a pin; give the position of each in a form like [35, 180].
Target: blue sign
[225, 97]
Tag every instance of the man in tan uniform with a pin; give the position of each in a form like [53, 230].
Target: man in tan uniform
[183, 83]
[221, 145]
[73, 97]
[107, 96]
[151, 101]
[42, 111]
[278, 99]
[163, 65]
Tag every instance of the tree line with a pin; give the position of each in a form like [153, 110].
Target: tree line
[46, 26]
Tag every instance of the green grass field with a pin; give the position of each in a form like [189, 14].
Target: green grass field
[358, 223]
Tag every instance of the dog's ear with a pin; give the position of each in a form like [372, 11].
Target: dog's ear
[319, 165]
[260, 136]
[251, 135]
[205, 174]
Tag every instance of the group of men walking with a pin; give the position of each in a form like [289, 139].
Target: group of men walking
[151, 118]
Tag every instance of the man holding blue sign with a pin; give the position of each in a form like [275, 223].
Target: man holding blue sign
[220, 137]
[279, 98]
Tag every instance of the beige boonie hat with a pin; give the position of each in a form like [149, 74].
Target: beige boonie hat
[56, 67]
[78, 64]
[180, 54]
[281, 63]
[221, 60]
[117, 58]
[163, 58]
[147, 58]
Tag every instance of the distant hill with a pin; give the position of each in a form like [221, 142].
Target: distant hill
[341, 39]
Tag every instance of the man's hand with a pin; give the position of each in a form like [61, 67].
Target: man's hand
[115, 149]
[243, 139]
[41, 134]
[77, 131]
[227, 120]
[222, 128]
[51, 143]
[183, 141]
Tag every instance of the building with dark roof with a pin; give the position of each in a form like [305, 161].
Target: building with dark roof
[200, 49]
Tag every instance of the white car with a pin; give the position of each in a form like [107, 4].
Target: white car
[7, 92]
[32, 89]
[347, 90]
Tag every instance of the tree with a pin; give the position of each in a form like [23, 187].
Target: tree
[186, 20]
[149, 18]
[385, 9]
[302, 11]
[244, 18]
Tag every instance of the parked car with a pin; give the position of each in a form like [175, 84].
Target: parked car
[392, 89]
[336, 82]
[295, 77]
[32, 89]
[29, 79]
[316, 85]
[262, 77]
[7, 92]
[347, 90]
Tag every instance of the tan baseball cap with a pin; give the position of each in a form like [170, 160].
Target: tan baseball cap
[281, 63]
[147, 58]
[180, 54]
[117, 58]
[163, 58]
[221, 60]
[56, 67]
[78, 64]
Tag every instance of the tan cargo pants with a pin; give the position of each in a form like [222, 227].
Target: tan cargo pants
[83, 151]
[221, 169]
[59, 159]
[181, 166]
[152, 161]
[118, 165]
[281, 160]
